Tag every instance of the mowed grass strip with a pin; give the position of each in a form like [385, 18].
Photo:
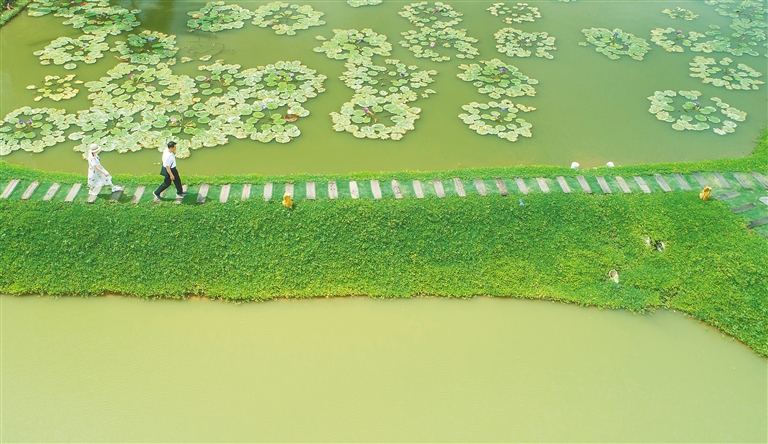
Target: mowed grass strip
[556, 246]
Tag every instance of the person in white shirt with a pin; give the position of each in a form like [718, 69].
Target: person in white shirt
[97, 175]
[168, 170]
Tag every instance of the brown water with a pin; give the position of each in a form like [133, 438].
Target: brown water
[590, 109]
[356, 369]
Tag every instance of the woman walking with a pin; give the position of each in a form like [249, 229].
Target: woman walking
[97, 175]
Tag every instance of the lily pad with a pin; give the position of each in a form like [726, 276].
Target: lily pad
[516, 43]
[692, 115]
[62, 8]
[57, 88]
[66, 50]
[681, 13]
[437, 15]
[616, 43]
[673, 40]
[722, 74]
[218, 16]
[104, 20]
[358, 3]
[147, 47]
[355, 46]
[33, 129]
[433, 43]
[517, 13]
[496, 79]
[285, 18]
[376, 117]
[497, 118]
[396, 78]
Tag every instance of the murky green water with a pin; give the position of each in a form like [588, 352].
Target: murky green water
[356, 369]
[589, 108]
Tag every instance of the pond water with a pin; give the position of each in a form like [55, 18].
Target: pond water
[354, 369]
[588, 108]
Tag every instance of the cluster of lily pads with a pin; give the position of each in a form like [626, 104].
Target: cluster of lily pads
[495, 79]
[66, 50]
[285, 18]
[147, 47]
[673, 40]
[692, 115]
[741, 43]
[741, 78]
[380, 107]
[104, 20]
[753, 10]
[497, 118]
[218, 16]
[518, 13]
[358, 3]
[435, 33]
[614, 44]
[33, 129]
[516, 43]
[679, 12]
[57, 88]
[62, 8]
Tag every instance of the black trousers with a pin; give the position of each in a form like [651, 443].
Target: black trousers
[167, 183]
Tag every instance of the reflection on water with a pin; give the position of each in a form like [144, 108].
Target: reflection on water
[589, 109]
[356, 369]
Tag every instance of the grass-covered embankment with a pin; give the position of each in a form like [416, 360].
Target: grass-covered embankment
[555, 247]
[16, 6]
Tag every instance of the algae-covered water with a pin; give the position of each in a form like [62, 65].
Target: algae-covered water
[589, 108]
[355, 369]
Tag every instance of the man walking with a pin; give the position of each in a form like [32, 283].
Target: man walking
[168, 170]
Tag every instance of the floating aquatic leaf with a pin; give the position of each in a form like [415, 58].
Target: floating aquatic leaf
[437, 15]
[395, 79]
[218, 16]
[65, 50]
[285, 18]
[616, 43]
[56, 88]
[147, 47]
[673, 40]
[692, 115]
[497, 118]
[428, 43]
[682, 13]
[62, 8]
[751, 10]
[104, 20]
[496, 79]
[741, 77]
[516, 43]
[355, 46]
[33, 129]
[358, 3]
[518, 13]
[375, 117]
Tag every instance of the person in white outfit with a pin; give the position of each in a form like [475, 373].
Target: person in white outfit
[97, 175]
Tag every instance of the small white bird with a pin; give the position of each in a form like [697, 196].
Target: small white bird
[609, 164]
[575, 165]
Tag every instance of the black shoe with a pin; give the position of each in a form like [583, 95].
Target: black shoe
[156, 196]
[182, 195]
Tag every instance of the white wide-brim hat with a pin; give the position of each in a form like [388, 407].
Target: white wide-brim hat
[94, 148]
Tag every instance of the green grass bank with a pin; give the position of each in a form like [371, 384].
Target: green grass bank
[557, 247]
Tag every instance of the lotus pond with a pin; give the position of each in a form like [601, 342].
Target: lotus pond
[335, 87]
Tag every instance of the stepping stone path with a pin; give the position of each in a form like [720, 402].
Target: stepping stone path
[730, 187]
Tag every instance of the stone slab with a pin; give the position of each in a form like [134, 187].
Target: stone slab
[376, 189]
[760, 178]
[683, 183]
[458, 185]
[73, 192]
[178, 199]
[603, 185]
[542, 184]
[743, 208]
[480, 187]
[623, 184]
[396, 190]
[224, 193]
[288, 189]
[92, 197]
[268, 190]
[203, 193]
[758, 222]
[417, 189]
[700, 179]
[116, 194]
[584, 185]
[563, 184]
[30, 189]
[439, 190]
[138, 193]
[521, 185]
[51, 191]
[641, 183]
[246, 194]
[742, 180]
[723, 183]
[662, 183]
[501, 186]
[9, 189]
[728, 195]
[310, 190]
[354, 191]
[333, 190]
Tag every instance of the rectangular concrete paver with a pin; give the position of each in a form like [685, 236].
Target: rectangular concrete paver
[354, 191]
[310, 190]
[758, 222]
[376, 189]
[662, 183]
[30, 189]
[728, 195]
[203, 193]
[92, 197]
[563, 184]
[584, 185]
[641, 183]
[138, 193]
[760, 178]
[742, 180]
[623, 184]
[700, 179]
[51, 191]
[743, 208]
[288, 189]
[417, 190]
[603, 185]
[9, 189]
[224, 193]
[480, 187]
[542, 184]
[723, 183]
[521, 185]
[683, 183]
[333, 190]
[439, 190]
[180, 198]
[246, 194]
[268, 190]
[501, 186]
[73, 192]
[116, 194]
[396, 190]
[458, 185]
